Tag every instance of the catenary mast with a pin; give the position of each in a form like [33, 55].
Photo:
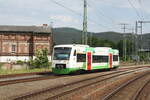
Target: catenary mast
[84, 33]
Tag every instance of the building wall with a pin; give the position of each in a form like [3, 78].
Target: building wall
[16, 58]
[20, 46]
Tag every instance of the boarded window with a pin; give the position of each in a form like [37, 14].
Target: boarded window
[81, 57]
[13, 48]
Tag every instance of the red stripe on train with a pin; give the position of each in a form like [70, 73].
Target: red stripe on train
[110, 60]
[89, 61]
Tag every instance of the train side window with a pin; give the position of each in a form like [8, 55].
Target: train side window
[104, 58]
[115, 57]
[81, 57]
[74, 53]
[96, 59]
[100, 59]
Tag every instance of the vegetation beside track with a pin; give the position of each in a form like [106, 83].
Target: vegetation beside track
[6, 72]
[39, 64]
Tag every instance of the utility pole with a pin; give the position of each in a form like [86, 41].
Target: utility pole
[132, 49]
[136, 36]
[52, 37]
[124, 41]
[84, 34]
[136, 39]
[132, 36]
[141, 31]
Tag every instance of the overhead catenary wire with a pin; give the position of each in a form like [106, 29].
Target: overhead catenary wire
[73, 11]
[142, 8]
[135, 9]
[66, 7]
[141, 3]
[101, 14]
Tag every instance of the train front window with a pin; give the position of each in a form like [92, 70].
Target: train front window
[115, 58]
[62, 53]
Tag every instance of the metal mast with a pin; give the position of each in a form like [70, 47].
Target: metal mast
[136, 39]
[84, 34]
[124, 41]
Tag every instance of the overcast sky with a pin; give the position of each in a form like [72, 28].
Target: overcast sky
[103, 15]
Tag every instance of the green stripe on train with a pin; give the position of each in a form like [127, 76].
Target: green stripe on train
[69, 70]
[64, 71]
[100, 67]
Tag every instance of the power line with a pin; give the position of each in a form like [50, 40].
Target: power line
[66, 8]
[124, 40]
[142, 8]
[100, 12]
[72, 11]
[135, 9]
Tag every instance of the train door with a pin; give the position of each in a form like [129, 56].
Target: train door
[110, 60]
[89, 60]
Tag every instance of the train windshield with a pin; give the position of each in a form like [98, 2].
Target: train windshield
[62, 53]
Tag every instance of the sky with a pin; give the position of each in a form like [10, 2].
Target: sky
[103, 15]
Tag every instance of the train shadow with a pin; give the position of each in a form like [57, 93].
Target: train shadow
[78, 72]
[83, 72]
[48, 73]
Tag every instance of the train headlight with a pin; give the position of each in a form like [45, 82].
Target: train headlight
[60, 66]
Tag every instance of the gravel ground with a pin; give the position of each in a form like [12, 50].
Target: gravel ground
[9, 91]
[22, 77]
[98, 91]
[145, 94]
[128, 92]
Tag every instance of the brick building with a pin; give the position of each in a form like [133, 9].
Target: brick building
[21, 42]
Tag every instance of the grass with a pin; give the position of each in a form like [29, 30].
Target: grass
[6, 72]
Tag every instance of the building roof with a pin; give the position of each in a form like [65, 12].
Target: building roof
[36, 29]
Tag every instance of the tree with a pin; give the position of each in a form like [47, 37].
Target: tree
[97, 42]
[129, 48]
[41, 59]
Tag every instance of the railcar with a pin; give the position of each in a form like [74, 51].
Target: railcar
[71, 58]
[115, 58]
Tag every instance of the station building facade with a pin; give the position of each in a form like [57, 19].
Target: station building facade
[21, 42]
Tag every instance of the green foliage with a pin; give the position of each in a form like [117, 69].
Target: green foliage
[20, 62]
[97, 42]
[143, 56]
[1, 65]
[72, 35]
[41, 59]
[103, 39]
[129, 48]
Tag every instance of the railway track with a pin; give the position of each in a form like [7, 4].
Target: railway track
[62, 90]
[23, 80]
[143, 92]
[129, 89]
[44, 76]
[25, 74]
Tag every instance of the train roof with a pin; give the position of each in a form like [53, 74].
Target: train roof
[96, 49]
[71, 45]
[115, 52]
[103, 48]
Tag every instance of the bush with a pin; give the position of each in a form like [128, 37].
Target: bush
[41, 59]
[1, 65]
[20, 62]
